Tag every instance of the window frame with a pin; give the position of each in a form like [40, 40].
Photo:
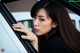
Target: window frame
[10, 20]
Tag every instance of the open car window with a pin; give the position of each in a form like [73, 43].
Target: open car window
[10, 40]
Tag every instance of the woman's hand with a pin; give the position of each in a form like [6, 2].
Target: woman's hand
[28, 34]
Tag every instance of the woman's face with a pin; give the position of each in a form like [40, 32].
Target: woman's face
[42, 23]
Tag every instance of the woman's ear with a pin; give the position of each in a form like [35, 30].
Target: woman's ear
[54, 25]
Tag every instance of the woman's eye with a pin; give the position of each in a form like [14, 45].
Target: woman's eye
[41, 19]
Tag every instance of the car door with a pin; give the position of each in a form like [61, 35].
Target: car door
[10, 40]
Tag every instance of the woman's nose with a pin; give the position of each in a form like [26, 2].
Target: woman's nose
[36, 22]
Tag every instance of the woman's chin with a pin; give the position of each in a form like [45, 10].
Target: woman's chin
[39, 34]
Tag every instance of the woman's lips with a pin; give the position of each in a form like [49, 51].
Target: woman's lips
[36, 30]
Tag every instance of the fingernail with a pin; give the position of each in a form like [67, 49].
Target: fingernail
[22, 36]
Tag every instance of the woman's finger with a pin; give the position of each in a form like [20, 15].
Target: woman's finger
[21, 30]
[28, 34]
[18, 26]
[30, 38]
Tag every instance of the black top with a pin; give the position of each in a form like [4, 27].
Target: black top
[56, 45]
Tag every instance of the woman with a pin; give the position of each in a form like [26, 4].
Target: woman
[54, 29]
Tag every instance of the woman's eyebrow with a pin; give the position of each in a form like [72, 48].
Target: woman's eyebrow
[40, 16]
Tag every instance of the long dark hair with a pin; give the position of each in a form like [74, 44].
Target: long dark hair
[59, 14]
